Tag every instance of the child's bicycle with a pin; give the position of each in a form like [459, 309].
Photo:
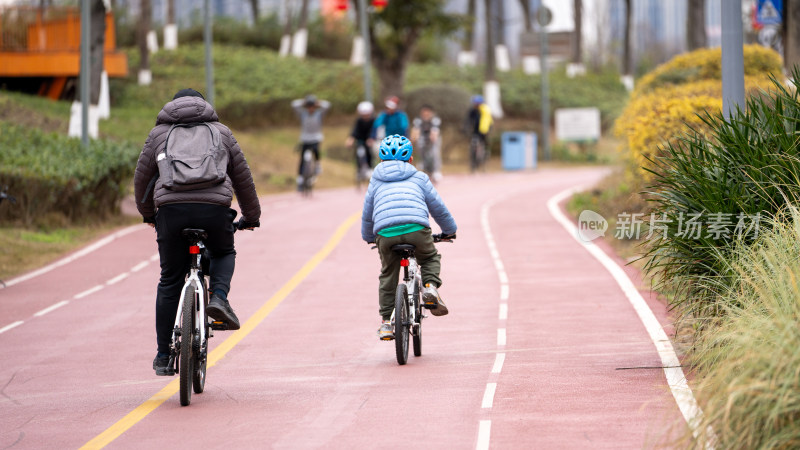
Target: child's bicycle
[408, 308]
[189, 347]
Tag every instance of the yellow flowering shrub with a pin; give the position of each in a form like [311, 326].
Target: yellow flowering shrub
[667, 101]
[706, 63]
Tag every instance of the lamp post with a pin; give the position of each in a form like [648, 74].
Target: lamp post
[543, 17]
[85, 70]
[732, 57]
[209, 58]
[362, 20]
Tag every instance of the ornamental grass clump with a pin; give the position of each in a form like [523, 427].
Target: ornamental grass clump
[748, 365]
[713, 190]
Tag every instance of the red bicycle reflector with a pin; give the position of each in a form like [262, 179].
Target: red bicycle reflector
[404, 263]
[380, 4]
[194, 249]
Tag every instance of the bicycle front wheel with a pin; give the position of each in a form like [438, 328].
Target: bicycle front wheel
[401, 324]
[187, 344]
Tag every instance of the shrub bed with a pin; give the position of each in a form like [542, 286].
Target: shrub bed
[55, 179]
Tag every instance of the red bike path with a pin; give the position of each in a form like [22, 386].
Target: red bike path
[307, 371]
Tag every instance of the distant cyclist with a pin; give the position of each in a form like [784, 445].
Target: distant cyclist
[361, 134]
[390, 121]
[425, 136]
[479, 123]
[396, 208]
[169, 211]
[310, 111]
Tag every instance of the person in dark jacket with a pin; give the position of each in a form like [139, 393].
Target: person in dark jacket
[398, 203]
[170, 211]
[361, 134]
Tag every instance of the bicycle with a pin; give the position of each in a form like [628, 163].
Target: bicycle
[428, 157]
[478, 153]
[408, 308]
[193, 327]
[308, 172]
[363, 169]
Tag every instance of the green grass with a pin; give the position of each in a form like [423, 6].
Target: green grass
[748, 363]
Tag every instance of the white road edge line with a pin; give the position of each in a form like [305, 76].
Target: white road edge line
[484, 430]
[504, 292]
[498, 362]
[676, 379]
[51, 308]
[488, 395]
[88, 292]
[118, 278]
[503, 311]
[13, 325]
[140, 266]
[83, 252]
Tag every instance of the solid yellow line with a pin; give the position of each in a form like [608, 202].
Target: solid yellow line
[141, 411]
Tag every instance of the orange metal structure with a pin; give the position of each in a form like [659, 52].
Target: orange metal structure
[45, 45]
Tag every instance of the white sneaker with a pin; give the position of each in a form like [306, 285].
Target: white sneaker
[385, 332]
[432, 301]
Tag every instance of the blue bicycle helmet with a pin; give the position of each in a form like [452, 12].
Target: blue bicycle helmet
[395, 147]
[477, 99]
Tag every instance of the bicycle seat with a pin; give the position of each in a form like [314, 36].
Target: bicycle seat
[194, 234]
[403, 249]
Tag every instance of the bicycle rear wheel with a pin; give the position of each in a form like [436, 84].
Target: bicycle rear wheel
[401, 324]
[417, 335]
[200, 350]
[187, 341]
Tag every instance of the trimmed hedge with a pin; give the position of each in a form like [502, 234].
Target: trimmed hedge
[50, 174]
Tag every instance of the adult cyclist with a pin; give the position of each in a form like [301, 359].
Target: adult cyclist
[170, 211]
[390, 121]
[310, 111]
[479, 122]
[361, 134]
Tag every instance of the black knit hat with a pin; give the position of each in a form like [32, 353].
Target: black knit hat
[188, 92]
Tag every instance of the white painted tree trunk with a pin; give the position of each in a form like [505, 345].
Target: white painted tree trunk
[104, 105]
[152, 41]
[170, 36]
[286, 44]
[75, 119]
[627, 80]
[300, 43]
[145, 77]
[574, 70]
[531, 65]
[467, 58]
[491, 94]
[502, 58]
[357, 54]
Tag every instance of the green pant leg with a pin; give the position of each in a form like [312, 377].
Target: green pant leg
[428, 257]
[390, 274]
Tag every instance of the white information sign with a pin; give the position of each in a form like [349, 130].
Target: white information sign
[578, 124]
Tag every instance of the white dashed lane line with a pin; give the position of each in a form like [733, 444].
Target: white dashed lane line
[85, 293]
[51, 308]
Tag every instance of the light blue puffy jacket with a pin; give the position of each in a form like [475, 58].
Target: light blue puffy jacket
[399, 194]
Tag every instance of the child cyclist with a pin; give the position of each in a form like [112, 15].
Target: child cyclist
[396, 208]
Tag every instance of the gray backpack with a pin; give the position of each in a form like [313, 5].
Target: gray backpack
[193, 157]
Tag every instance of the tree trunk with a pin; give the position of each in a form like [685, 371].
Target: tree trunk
[577, 50]
[302, 22]
[256, 12]
[170, 11]
[627, 66]
[97, 43]
[491, 72]
[791, 24]
[696, 24]
[144, 27]
[469, 29]
[392, 73]
[500, 23]
[526, 14]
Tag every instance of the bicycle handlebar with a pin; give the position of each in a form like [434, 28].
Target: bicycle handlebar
[444, 237]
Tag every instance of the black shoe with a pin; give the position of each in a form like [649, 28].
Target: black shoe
[161, 366]
[220, 310]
